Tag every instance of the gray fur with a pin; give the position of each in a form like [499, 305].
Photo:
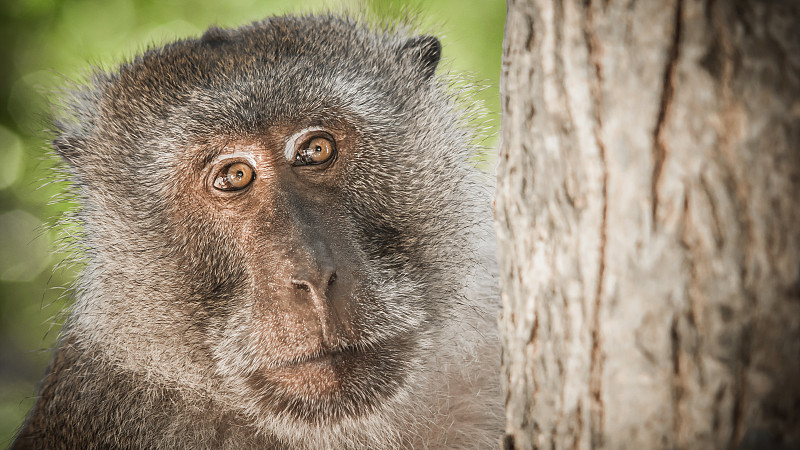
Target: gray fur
[164, 338]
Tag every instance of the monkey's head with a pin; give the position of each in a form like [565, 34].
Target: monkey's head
[285, 211]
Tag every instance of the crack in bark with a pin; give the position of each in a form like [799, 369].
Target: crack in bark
[681, 382]
[667, 95]
[677, 386]
[530, 38]
[576, 436]
[568, 127]
[716, 222]
[740, 385]
[746, 237]
[568, 147]
[596, 406]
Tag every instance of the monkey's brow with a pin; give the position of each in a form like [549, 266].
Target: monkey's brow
[207, 155]
[211, 153]
[206, 152]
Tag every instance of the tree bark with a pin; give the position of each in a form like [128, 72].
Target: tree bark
[648, 219]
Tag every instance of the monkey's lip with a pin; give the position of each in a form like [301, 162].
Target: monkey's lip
[323, 374]
[325, 357]
[334, 383]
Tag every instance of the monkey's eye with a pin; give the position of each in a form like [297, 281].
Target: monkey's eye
[316, 150]
[234, 177]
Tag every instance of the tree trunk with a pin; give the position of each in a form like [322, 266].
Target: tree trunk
[648, 215]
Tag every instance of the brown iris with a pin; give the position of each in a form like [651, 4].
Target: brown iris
[319, 150]
[234, 177]
[316, 150]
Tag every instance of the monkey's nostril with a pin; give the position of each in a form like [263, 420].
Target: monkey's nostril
[301, 285]
[332, 278]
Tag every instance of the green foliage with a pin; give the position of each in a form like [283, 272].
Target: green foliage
[47, 43]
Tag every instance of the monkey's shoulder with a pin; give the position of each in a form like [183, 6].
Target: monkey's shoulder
[88, 402]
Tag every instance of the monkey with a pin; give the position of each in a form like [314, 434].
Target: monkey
[286, 244]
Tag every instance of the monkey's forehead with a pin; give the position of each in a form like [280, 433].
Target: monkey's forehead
[305, 70]
[277, 58]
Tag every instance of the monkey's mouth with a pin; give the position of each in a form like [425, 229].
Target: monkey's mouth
[337, 383]
[333, 356]
[325, 373]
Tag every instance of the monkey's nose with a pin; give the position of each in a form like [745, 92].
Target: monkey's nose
[315, 292]
[315, 283]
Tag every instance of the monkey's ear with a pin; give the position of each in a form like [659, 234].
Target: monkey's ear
[424, 52]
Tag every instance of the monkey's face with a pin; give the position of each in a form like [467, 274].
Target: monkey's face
[291, 175]
[309, 306]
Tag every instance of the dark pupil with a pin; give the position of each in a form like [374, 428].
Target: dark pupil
[239, 174]
[319, 149]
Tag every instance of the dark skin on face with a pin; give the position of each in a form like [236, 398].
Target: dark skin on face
[275, 197]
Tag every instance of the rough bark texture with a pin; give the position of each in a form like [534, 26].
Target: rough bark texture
[648, 213]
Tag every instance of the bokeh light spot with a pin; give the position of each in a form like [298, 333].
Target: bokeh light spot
[10, 157]
[24, 246]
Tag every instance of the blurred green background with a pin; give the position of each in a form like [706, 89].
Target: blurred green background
[47, 43]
